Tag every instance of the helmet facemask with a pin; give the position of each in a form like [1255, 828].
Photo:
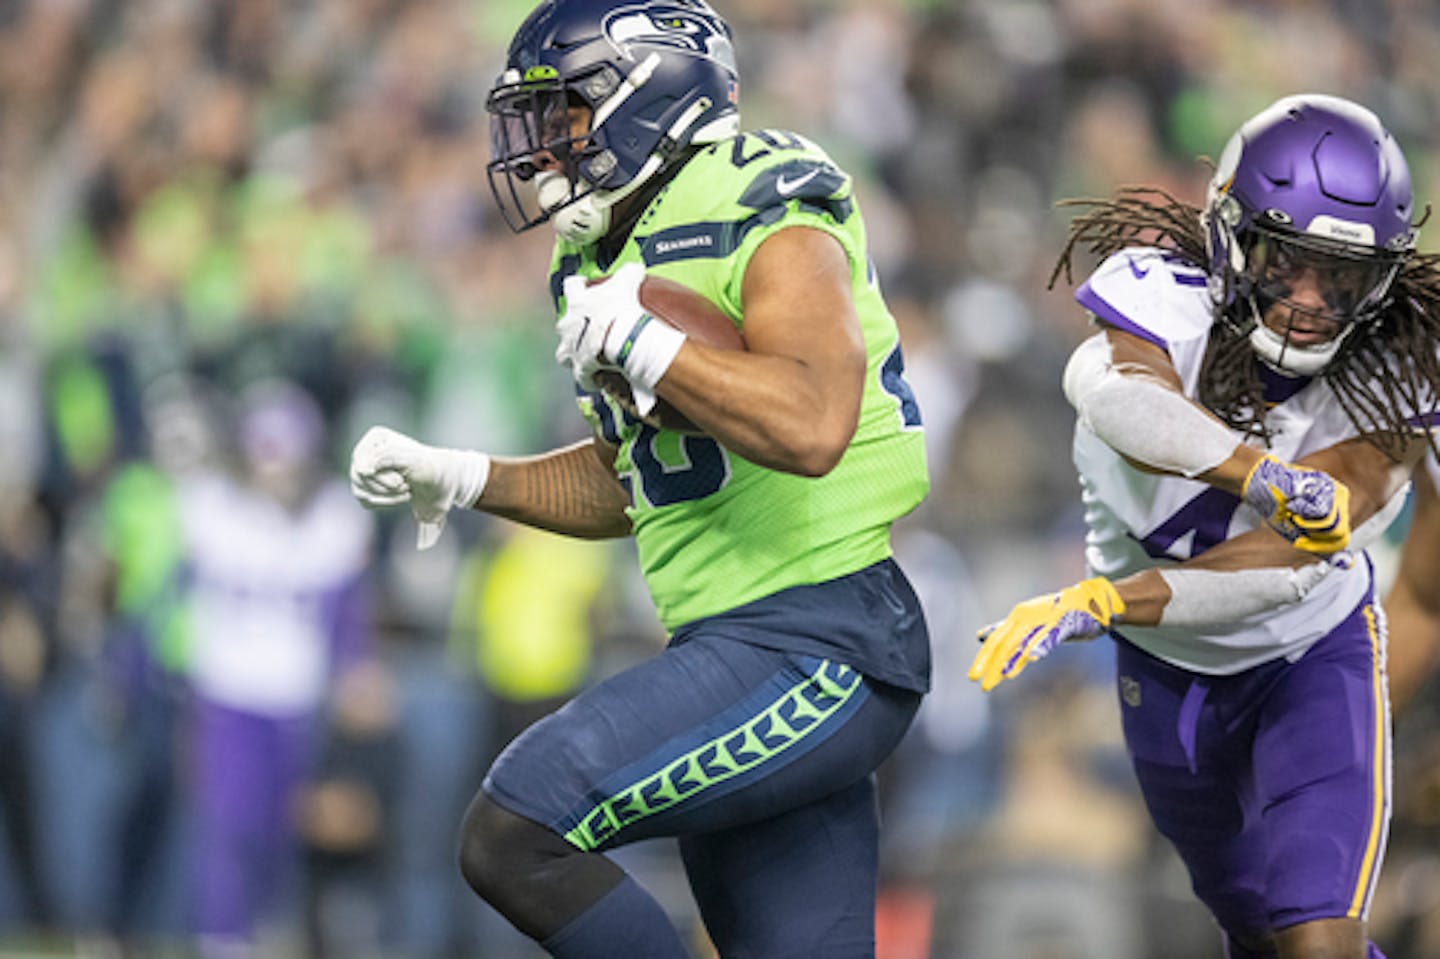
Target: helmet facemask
[566, 120]
[539, 143]
[1351, 284]
[1307, 220]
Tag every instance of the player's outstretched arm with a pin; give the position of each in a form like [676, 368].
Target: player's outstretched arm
[570, 490]
[1226, 589]
[1126, 390]
[1412, 604]
[1244, 576]
[1035, 627]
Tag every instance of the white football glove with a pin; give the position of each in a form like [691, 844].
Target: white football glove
[388, 468]
[606, 328]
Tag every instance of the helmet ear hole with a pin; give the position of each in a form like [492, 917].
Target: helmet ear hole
[598, 87]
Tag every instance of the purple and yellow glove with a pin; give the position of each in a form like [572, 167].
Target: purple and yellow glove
[1036, 626]
[1308, 507]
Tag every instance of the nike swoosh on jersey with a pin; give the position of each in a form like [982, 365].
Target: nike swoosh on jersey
[1135, 268]
[785, 187]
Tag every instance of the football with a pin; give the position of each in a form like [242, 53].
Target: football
[696, 317]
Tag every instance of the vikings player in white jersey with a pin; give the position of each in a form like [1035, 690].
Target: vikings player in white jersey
[1263, 382]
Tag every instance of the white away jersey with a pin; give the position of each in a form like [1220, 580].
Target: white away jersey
[1138, 520]
[263, 583]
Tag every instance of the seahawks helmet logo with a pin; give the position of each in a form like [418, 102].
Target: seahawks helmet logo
[663, 25]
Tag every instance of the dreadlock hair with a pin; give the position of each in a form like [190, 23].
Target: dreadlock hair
[1394, 367]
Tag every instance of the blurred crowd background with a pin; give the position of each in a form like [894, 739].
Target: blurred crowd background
[240, 716]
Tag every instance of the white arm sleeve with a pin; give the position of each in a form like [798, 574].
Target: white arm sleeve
[1207, 597]
[1142, 418]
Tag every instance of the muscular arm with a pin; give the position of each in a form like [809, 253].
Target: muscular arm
[1373, 479]
[572, 490]
[791, 400]
[1412, 606]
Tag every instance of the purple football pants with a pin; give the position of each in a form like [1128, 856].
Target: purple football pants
[1273, 784]
[247, 769]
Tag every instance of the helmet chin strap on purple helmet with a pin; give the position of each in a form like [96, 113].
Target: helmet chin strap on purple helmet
[1291, 359]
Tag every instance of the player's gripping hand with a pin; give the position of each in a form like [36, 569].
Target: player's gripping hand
[1308, 507]
[606, 328]
[1035, 627]
[388, 468]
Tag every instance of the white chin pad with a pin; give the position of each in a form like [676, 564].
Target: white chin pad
[584, 221]
[552, 190]
[1297, 360]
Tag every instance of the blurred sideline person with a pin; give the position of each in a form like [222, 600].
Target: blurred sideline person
[278, 610]
[1412, 604]
[344, 815]
[528, 603]
[798, 652]
[1282, 345]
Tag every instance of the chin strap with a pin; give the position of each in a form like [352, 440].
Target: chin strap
[586, 219]
[1277, 353]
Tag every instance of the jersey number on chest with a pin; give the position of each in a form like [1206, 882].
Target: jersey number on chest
[1195, 527]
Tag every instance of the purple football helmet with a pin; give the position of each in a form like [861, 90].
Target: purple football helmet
[655, 75]
[1312, 186]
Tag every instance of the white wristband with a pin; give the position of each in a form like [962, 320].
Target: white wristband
[645, 356]
[1141, 418]
[463, 475]
[471, 471]
[1207, 597]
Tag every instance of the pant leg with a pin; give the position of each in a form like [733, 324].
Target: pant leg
[1197, 793]
[785, 887]
[767, 756]
[1273, 784]
[706, 736]
[1322, 775]
[247, 768]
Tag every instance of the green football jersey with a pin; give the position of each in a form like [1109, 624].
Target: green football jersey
[713, 530]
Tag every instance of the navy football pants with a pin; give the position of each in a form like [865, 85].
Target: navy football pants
[760, 761]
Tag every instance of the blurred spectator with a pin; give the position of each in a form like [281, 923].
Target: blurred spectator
[277, 558]
[142, 666]
[345, 812]
[27, 583]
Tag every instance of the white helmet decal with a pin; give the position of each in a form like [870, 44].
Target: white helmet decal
[673, 27]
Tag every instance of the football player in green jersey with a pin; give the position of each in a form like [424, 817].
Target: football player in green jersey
[798, 652]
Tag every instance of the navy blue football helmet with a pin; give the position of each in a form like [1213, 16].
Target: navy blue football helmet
[651, 78]
[1312, 183]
